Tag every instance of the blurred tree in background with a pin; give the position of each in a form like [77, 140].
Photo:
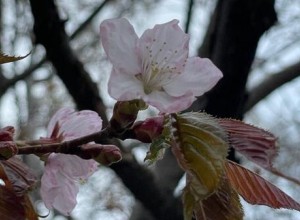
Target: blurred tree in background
[255, 43]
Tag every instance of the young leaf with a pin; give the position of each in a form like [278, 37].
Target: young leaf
[30, 212]
[14, 205]
[160, 143]
[254, 143]
[7, 58]
[10, 206]
[223, 204]
[200, 142]
[256, 190]
[156, 150]
[200, 148]
[19, 175]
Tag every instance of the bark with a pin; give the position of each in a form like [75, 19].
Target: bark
[237, 28]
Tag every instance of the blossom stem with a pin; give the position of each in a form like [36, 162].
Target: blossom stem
[70, 147]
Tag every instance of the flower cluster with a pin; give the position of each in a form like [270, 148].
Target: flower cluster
[154, 69]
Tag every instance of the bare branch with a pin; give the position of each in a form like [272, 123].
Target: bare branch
[189, 15]
[270, 84]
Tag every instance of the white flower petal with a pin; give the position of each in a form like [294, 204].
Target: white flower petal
[166, 45]
[59, 183]
[124, 87]
[119, 41]
[198, 77]
[60, 115]
[72, 124]
[168, 104]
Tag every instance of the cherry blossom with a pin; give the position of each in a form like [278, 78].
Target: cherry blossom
[63, 173]
[155, 67]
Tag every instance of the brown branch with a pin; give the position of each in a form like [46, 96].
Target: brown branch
[189, 15]
[270, 84]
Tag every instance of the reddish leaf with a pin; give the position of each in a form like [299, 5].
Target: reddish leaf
[19, 175]
[11, 207]
[15, 205]
[256, 190]
[254, 143]
[30, 212]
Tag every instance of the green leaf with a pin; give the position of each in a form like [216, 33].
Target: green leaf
[156, 150]
[199, 144]
[188, 204]
[7, 58]
[160, 144]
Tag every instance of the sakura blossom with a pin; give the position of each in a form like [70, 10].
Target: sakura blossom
[63, 173]
[155, 67]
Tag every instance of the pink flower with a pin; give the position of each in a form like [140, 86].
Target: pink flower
[155, 67]
[63, 173]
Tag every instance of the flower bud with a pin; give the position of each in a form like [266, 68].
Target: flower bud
[8, 149]
[6, 133]
[124, 114]
[146, 131]
[103, 154]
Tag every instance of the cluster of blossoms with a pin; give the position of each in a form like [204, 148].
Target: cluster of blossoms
[154, 69]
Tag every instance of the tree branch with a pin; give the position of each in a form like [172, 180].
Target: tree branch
[270, 84]
[189, 15]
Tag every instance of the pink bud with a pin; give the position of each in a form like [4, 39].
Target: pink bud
[103, 154]
[6, 133]
[148, 130]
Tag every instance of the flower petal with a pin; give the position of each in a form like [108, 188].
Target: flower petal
[59, 183]
[119, 41]
[168, 104]
[165, 44]
[73, 166]
[72, 124]
[124, 87]
[199, 76]
[58, 192]
[59, 116]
